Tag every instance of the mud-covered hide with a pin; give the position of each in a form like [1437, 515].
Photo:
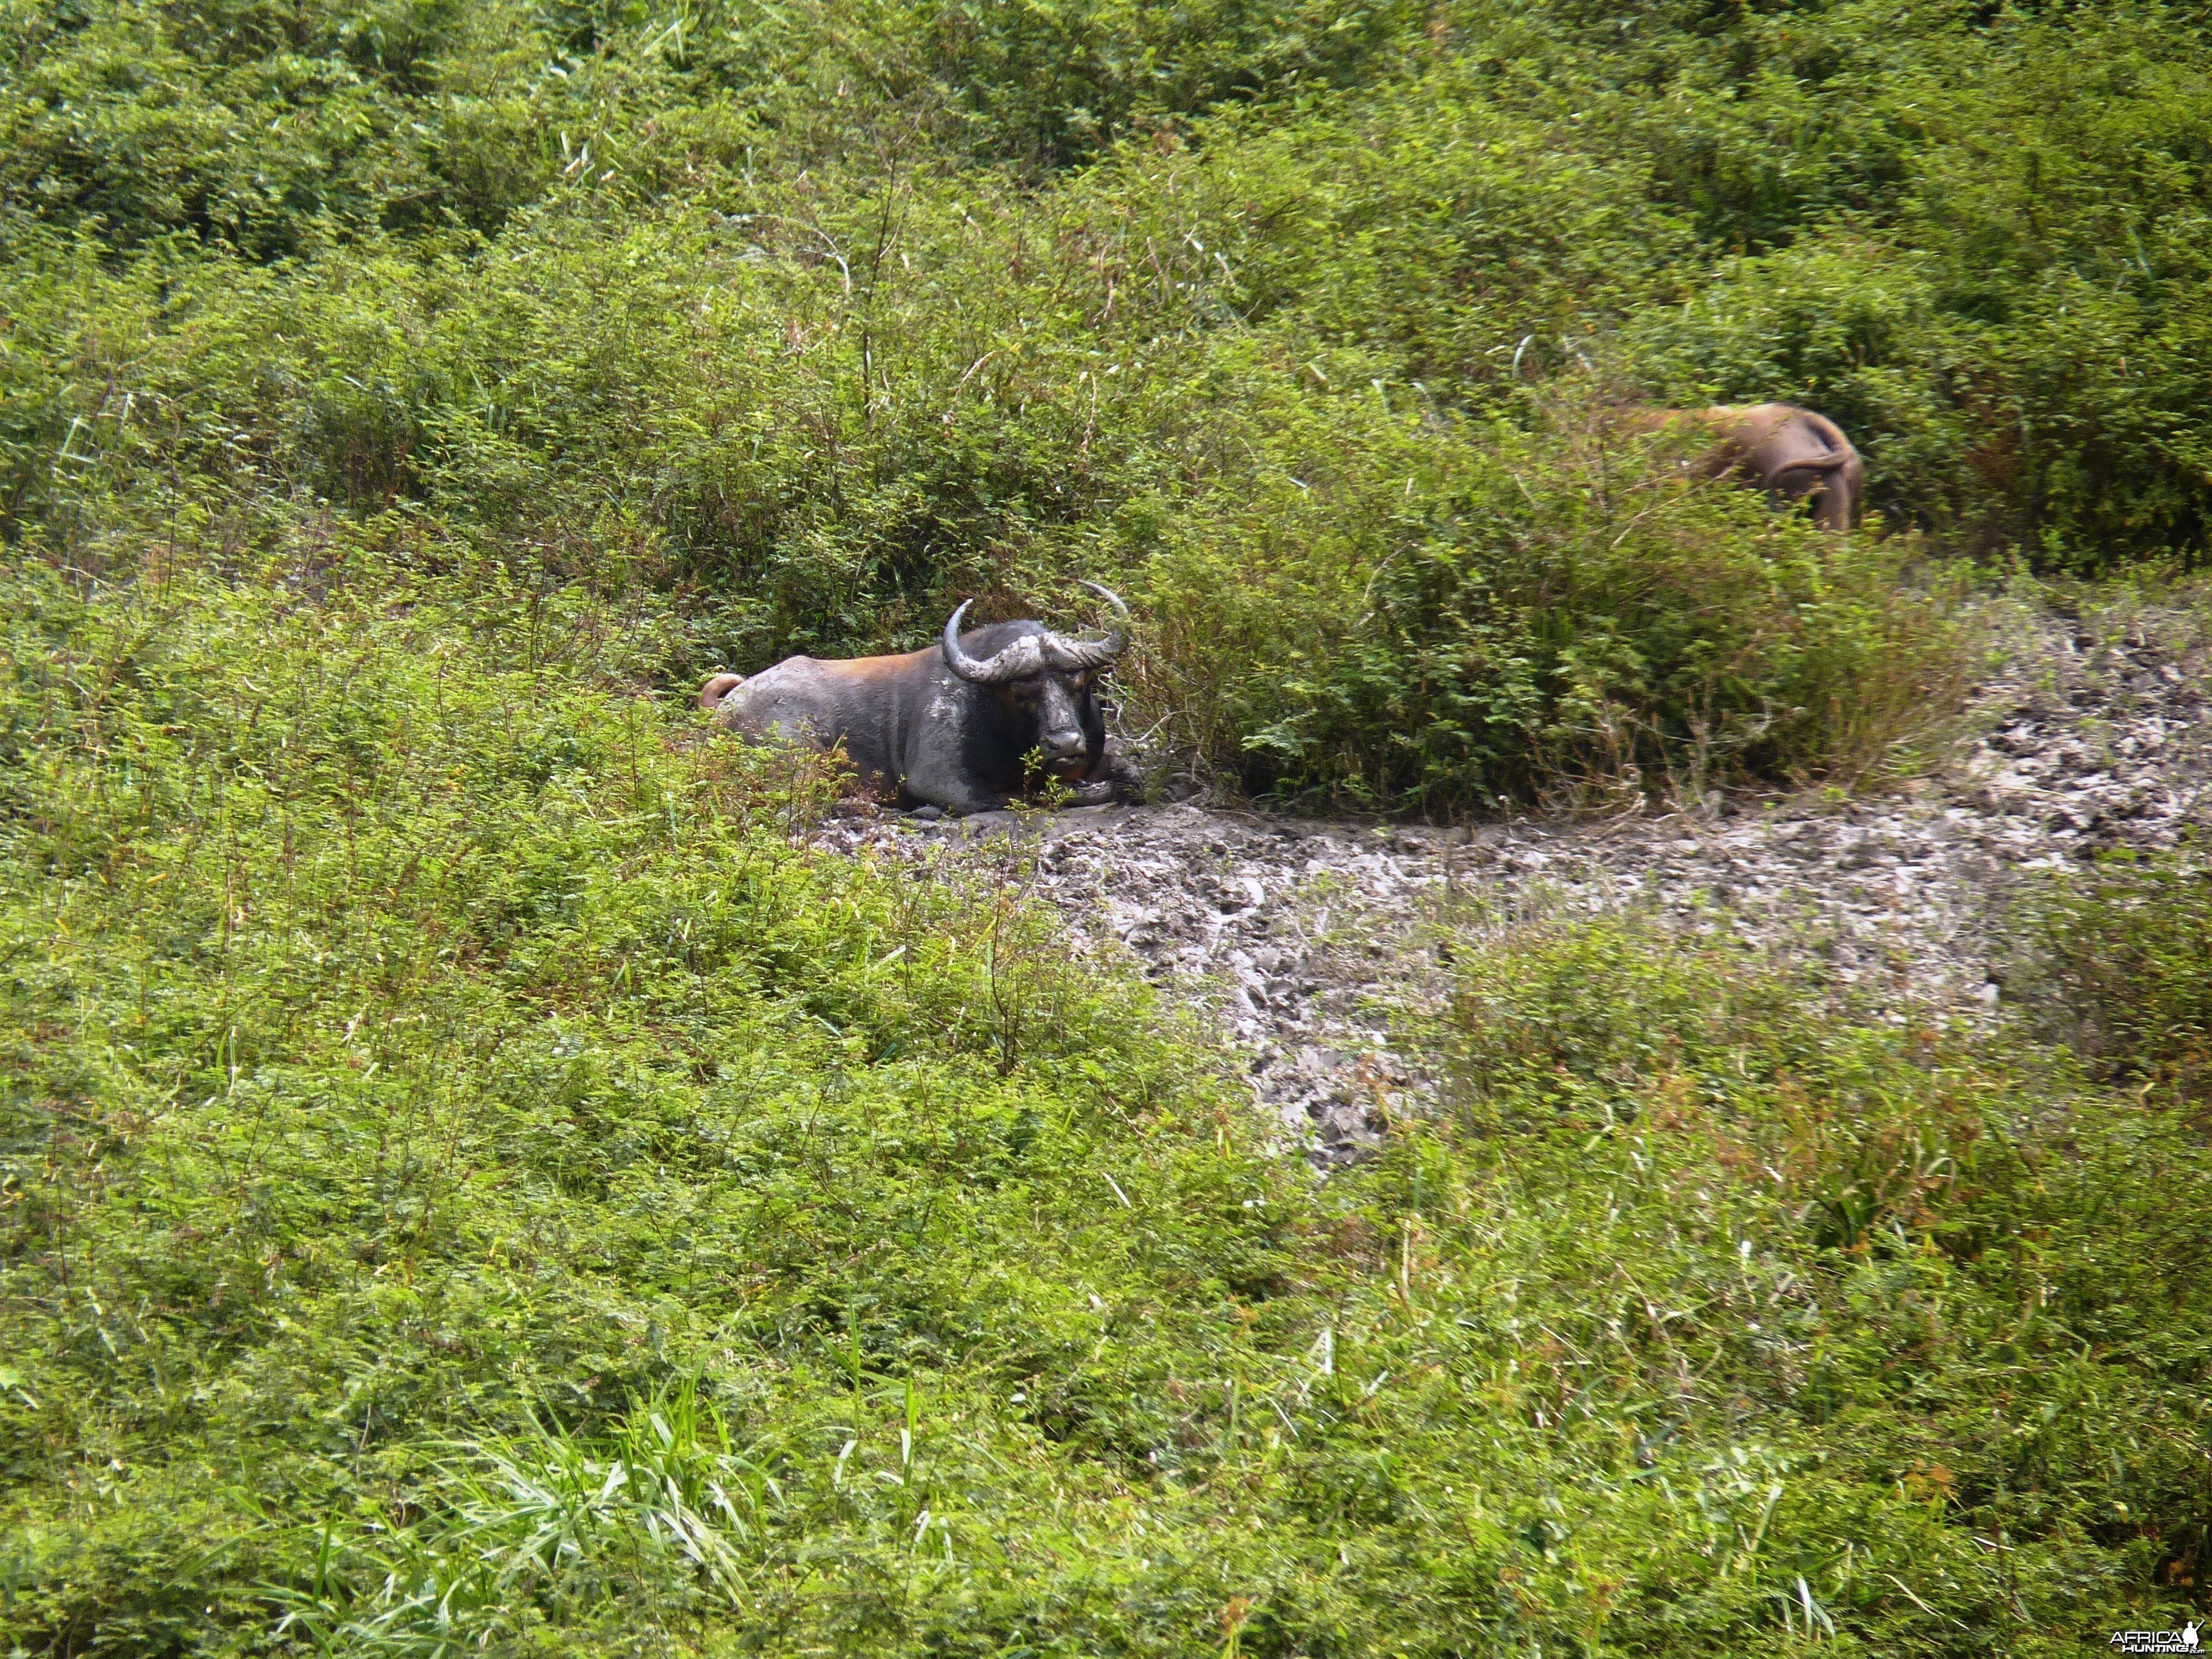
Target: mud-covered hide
[919, 731]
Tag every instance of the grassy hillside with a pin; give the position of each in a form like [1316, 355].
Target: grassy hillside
[1291, 319]
[472, 1178]
[473, 1181]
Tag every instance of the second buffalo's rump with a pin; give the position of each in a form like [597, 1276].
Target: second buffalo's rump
[1793, 454]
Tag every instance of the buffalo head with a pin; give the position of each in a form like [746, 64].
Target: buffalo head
[1042, 682]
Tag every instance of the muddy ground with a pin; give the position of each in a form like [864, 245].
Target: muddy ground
[1292, 934]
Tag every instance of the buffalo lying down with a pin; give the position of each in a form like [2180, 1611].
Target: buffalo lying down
[1789, 452]
[953, 726]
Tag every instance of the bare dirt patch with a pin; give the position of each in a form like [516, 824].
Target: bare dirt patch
[1296, 935]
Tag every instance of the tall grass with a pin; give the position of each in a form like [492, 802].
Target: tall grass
[474, 1178]
[539, 1518]
[827, 318]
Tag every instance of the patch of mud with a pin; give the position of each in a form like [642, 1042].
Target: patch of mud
[1293, 934]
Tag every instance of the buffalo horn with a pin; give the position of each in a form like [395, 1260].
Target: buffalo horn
[1029, 655]
[1023, 657]
[1115, 640]
[1080, 654]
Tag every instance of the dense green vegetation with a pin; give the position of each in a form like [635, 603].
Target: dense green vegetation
[2113, 959]
[471, 1177]
[1291, 317]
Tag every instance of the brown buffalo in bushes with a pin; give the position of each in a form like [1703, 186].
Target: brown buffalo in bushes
[954, 725]
[1793, 454]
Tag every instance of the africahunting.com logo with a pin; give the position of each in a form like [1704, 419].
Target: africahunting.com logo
[2184, 1640]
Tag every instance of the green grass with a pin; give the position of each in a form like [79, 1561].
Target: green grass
[402, 1044]
[1288, 319]
[472, 1177]
[475, 1178]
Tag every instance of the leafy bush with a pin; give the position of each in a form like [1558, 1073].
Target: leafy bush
[1929, 1275]
[1469, 194]
[737, 302]
[1345, 596]
[2016, 341]
[470, 1176]
[1414, 622]
[2113, 957]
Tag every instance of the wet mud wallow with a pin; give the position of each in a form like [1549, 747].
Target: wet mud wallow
[1295, 935]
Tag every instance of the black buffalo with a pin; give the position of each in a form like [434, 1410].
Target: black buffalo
[957, 726]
